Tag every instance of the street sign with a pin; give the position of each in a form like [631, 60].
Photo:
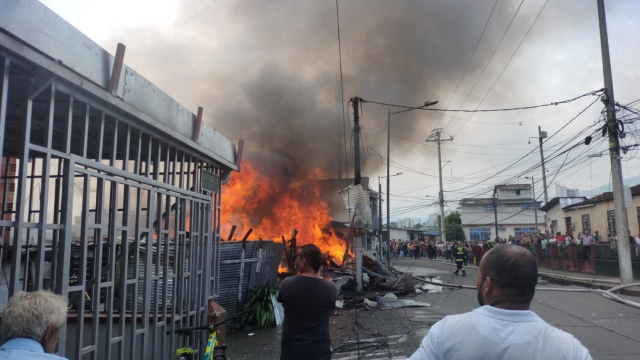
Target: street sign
[209, 182]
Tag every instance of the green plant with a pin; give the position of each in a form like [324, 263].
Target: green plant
[262, 313]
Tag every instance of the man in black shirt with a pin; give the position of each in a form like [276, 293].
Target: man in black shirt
[308, 300]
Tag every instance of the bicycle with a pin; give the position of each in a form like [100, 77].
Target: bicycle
[187, 353]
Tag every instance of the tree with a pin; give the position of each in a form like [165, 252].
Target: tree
[453, 227]
[394, 224]
[417, 226]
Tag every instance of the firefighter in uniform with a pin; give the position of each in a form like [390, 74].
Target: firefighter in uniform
[459, 256]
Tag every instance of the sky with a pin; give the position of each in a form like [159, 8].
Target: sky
[268, 72]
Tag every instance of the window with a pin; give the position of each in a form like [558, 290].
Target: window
[521, 231]
[518, 192]
[9, 206]
[12, 187]
[12, 168]
[530, 206]
[611, 221]
[488, 208]
[480, 234]
[638, 209]
[586, 223]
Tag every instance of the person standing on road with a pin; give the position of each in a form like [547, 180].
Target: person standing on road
[459, 256]
[587, 240]
[544, 244]
[597, 237]
[477, 253]
[308, 300]
[503, 328]
[448, 251]
[560, 239]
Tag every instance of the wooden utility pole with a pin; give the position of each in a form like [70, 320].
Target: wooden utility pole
[357, 180]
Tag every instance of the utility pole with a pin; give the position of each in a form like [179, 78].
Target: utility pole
[380, 219]
[535, 207]
[543, 135]
[495, 208]
[357, 180]
[356, 140]
[622, 228]
[435, 137]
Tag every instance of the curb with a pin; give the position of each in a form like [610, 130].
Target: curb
[561, 280]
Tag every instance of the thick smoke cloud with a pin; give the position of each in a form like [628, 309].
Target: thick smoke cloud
[267, 71]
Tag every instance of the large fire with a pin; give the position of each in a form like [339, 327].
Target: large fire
[273, 209]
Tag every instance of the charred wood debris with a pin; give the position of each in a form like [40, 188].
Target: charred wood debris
[383, 287]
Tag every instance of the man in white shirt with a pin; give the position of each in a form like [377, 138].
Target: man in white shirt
[503, 328]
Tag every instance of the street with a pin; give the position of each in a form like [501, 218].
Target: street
[609, 330]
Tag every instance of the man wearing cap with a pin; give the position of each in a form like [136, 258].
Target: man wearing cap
[597, 237]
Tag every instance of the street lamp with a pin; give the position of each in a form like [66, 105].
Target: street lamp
[389, 114]
[380, 209]
[533, 188]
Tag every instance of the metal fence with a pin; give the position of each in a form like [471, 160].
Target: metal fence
[244, 269]
[106, 210]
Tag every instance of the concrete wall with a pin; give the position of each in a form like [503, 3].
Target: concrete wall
[399, 234]
[476, 215]
[511, 194]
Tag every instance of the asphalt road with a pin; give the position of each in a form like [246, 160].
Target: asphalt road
[609, 330]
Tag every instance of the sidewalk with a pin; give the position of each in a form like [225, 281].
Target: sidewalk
[586, 280]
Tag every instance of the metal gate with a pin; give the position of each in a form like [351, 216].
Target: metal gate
[105, 210]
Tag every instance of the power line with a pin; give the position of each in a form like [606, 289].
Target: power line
[469, 62]
[344, 131]
[508, 62]
[590, 93]
[488, 62]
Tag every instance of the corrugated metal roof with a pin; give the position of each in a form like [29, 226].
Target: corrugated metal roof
[260, 270]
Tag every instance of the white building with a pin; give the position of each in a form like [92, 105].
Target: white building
[564, 192]
[515, 210]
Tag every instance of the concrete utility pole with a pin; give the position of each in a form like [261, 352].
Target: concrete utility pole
[622, 227]
[380, 220]
[495, 208]
[535, 207]
[357, 179]
[543, 135]
[435, 137]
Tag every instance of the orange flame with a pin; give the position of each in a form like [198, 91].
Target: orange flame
[272, 209]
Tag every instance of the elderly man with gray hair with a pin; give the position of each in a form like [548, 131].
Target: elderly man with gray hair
[31, 324]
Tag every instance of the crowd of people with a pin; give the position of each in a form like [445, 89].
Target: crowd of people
[474, 249]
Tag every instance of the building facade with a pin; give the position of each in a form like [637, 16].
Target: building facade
[594, 214]
[516, 212]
